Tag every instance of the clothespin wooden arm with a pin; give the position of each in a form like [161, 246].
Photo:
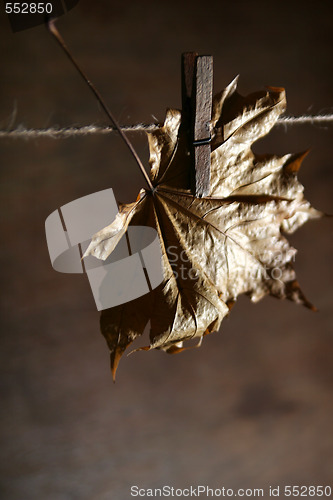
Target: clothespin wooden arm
[197, 87]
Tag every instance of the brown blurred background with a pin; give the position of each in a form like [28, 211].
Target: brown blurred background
[253, 407]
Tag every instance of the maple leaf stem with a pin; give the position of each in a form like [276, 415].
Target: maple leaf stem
[54, 31]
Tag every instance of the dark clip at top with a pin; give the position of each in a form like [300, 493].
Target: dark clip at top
[197, 87]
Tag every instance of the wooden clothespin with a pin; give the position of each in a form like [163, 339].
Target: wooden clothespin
[197, 87]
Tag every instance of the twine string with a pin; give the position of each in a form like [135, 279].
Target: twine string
[22, 132]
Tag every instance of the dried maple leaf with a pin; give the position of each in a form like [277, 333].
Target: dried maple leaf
[226, 244]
